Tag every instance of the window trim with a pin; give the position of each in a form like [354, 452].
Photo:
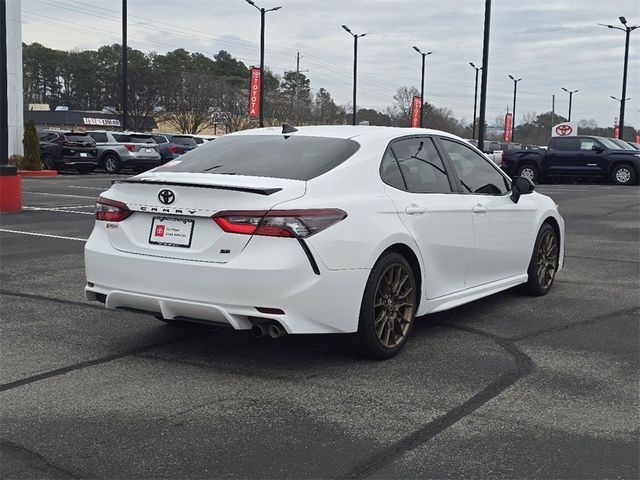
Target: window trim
[508, 181]
[453, 182]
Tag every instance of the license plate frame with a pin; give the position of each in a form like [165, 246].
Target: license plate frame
[174, 222]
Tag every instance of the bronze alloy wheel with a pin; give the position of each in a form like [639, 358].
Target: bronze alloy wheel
[547, 260]
[394, 305]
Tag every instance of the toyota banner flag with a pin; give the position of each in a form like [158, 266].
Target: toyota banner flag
[416, 111]
[508, 119]
[254, 93]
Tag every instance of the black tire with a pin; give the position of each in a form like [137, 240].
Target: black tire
[84, 169]
[529, 171]
[623, 174]
[370, 340]
[112, 163]
[546, 258]
[48, 162]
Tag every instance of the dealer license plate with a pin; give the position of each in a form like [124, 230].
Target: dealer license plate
[149, 150]
[84, 155]
[171, 231]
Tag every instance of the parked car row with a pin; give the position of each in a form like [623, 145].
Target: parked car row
[112, 151]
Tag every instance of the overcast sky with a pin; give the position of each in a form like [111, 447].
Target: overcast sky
[548, 43]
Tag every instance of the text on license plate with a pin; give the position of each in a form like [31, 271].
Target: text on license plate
[171, 231]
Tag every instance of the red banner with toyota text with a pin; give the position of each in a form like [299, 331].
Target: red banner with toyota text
[638, 138]
[416, 111]
[254, 93]
[616, 132]
[508, 119]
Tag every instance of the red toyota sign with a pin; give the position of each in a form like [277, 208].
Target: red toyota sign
[416, 111]
[508, 119]
[616, 132]
[638, 138]
[254, 93]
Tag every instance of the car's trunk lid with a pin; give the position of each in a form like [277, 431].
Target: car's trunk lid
[172, 212]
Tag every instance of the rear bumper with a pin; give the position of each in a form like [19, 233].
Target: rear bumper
[270, 272]
[66, 162]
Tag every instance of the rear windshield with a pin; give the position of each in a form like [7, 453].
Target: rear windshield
[78, 137]
[135, 138]
[295, 158]
[184, 141]
[98, 136]
[160, 139]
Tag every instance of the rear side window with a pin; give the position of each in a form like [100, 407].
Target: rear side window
[160, 139]
[99, 136]
[295, 158]
[421, 166]
[188, 141]
[567, 144]
[476, 173]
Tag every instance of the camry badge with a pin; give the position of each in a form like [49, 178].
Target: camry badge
[166, 196]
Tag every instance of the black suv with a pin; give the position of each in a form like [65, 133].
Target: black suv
[60, 150]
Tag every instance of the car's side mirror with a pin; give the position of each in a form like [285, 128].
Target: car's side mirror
[597, 148]
[521, 186]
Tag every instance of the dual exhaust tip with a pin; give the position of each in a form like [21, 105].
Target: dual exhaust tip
[273, 330]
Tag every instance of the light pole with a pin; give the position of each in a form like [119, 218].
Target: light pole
[475, 99]
[423, 55]
[627, 29]
[125, 69]
[262, 11]
[513, 113]
[570, 92]
[485, 71]
[355, 67]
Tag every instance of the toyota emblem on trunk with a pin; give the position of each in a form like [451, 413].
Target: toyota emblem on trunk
[166, 196]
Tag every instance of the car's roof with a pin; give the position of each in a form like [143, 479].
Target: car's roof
[347, 132]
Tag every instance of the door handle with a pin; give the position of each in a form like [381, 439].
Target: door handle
[480, 209]
[415, 209]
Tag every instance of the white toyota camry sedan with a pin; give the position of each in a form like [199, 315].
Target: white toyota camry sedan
[334, 229]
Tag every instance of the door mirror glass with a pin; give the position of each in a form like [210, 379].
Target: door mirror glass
[521, 186]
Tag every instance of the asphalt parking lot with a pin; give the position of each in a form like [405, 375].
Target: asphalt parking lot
[506, 387]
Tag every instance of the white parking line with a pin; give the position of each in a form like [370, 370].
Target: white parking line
[63, 210]
[43, 235]
[88, 188]
[59, 195]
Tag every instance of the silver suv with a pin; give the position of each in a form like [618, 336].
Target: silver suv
[117, 150]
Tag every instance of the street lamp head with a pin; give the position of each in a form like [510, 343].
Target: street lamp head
[346, 28]
[416, 49]
[511, 77]
[428, 53]
[250, 2]
[274, 9]
[615, 98]
[623, 20]
[362, 35]
[565, 89]
[472, 64]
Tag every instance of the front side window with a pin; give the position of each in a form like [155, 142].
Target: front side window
[421, 166]
[587, 144]
[475, 172]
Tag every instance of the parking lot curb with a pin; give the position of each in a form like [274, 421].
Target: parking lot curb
[37, 173]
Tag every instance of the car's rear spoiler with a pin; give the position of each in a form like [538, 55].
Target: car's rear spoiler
[257, 190]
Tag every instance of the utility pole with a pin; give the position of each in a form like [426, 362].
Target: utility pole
[4, 98]
[125, 68]
[485, 73]
[513, 115]
[297, 86]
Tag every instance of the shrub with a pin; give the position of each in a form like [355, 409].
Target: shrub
[17, 160]
[31, 147]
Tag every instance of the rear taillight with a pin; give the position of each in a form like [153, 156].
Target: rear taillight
[174, 149]
[111, 211]
[279, 223]
[129, 147]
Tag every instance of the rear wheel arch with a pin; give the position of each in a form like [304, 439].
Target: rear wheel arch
[109, 152]
[556, 228]
[411, 257]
